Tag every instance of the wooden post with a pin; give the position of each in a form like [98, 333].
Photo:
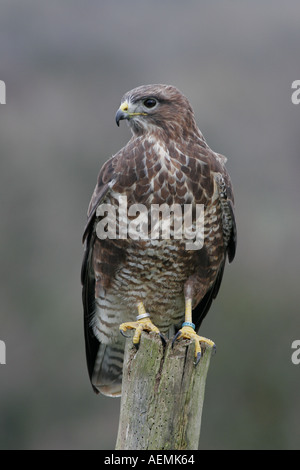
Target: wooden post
[162, 395]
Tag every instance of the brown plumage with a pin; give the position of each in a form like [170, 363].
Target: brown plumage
[167, 160]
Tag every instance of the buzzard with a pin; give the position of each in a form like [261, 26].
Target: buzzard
[153, 283]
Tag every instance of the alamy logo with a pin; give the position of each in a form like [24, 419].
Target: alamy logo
[296, 354]
[2, 101]
[162, 222]
[2, 92]
[296, 95]
[2, 353]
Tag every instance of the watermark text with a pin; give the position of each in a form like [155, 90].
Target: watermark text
[160, 221]
[2, 352]
[296, 95]
[296, 354]
[2, 92]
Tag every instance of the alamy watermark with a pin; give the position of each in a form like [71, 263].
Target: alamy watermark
[2, 92]
[2, 352]
[2, 101]
[296, 354]
[162, 222]
[296, 95]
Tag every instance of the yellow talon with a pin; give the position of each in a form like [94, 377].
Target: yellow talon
[188, 332]
[142, 324]
[139, 326]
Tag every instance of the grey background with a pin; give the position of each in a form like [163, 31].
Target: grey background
[66, 66]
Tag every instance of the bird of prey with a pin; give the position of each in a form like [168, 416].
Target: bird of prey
[153, 283]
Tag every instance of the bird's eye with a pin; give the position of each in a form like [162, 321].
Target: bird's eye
[150, 103]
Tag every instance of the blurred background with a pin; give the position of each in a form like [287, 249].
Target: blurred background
[66, 66]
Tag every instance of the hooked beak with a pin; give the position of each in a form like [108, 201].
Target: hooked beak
[122, 113]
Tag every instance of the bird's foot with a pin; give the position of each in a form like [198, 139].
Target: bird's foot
[188, 332]
[142, 323]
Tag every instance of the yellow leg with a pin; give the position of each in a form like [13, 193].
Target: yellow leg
[142, 323]
[188, 332]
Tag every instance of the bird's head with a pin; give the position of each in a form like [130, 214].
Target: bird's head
[152, 107]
